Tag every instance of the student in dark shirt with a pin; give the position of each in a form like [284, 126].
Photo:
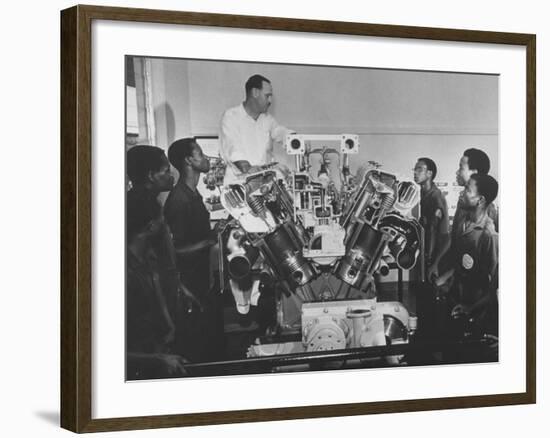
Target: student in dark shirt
[187, 216]
[434, 215]
[149, 327]
[476, 257]
[474, 161]
[189, 221]
[150, 175]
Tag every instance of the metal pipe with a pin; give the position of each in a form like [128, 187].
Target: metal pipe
[348, 354]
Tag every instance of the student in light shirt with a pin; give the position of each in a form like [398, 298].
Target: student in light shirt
[248, 132]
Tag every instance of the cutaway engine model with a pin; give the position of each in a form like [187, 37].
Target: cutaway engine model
[317, 238]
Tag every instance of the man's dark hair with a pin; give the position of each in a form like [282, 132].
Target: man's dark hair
[255, 81]
[487, 186]
[179, 150]
[140, 160]
[141, 208]
[478, 160]
[430, 165]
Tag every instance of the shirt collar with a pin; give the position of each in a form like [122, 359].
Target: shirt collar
[484, 222]
[188, 189]
[431, 190]
[245, 114]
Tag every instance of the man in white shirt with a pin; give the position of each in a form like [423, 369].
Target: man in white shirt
[248, 132]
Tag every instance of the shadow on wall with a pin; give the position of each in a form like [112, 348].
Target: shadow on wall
[165, 123]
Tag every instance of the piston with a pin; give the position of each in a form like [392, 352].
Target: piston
[362, 256]
[288, 258]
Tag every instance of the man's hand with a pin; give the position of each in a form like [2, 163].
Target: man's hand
[254, 169]
[460, 311]
[220, 226]
[206, 243]
[243, 165]
[189, 298]
[443, 278]
[439, 281]
[433, 273]
[173, 364]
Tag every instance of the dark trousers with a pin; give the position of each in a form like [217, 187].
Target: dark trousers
[199, 332]
[432, 310]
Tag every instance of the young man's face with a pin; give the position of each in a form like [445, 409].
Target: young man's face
[263, 97]
[198, 160]
[471, 196]
[421, 172]
[163, 180]
[463, 173]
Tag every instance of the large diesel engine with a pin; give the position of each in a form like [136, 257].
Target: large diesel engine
[320, 236]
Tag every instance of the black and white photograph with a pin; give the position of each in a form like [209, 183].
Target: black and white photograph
[276, 220]
[290, 218]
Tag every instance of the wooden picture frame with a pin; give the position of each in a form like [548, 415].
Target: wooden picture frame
[76, 217]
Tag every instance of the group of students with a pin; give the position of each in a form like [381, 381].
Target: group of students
[462, 260]
[171, 316]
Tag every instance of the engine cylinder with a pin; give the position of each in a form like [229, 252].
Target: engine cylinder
[362, 257]
[288, 257]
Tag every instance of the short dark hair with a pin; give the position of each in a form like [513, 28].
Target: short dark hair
[430, 165]
[140, 160]
[179, 150]
[478, 160]
[141, 208]
[487, 186]
[255, 81]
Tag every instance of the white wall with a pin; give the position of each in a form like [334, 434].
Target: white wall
[321, 98]
[399, 115]
[30, 219]
[170, 94]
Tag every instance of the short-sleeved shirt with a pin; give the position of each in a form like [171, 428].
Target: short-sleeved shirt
[243, 138]
[189, 222]
[433, 211]
[461, 214]
[476, 261]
